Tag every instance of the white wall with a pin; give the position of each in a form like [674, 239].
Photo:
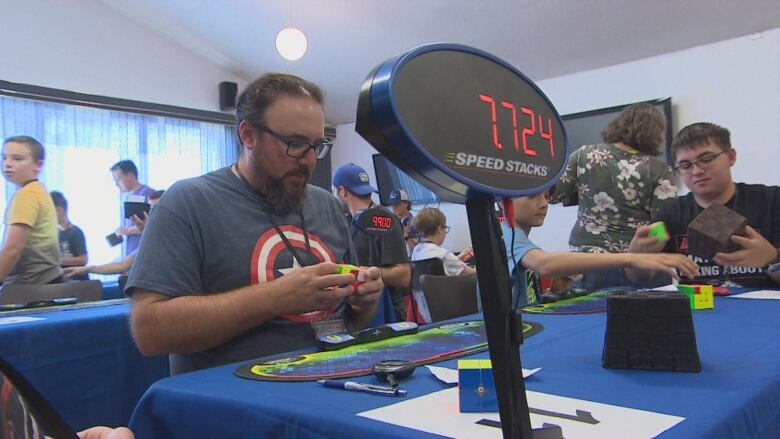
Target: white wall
[734, 83]
[85, 46]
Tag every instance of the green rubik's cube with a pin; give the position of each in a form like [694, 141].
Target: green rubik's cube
[659, 231]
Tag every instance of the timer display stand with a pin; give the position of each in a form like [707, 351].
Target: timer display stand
[472, 129]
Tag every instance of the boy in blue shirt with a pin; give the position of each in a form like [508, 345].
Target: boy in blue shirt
[524, 255]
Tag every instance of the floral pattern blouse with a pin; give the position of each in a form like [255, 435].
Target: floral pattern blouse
[616, 191]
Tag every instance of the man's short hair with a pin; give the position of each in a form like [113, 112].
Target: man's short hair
[156, 194]
[59, 200]
[699, 134]
[428, 220]
[36, 148]
[640, 126]
[255, 99]
[126, 167]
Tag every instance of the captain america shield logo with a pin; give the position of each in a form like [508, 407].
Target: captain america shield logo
[271, 259]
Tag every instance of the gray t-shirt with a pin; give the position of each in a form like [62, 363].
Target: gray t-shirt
[213, 234]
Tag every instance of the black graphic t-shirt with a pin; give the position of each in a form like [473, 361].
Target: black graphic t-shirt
[381, 251]
[758, 203]
[73, 243]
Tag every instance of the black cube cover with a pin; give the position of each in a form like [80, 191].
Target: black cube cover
[650, 330]
[710, 232]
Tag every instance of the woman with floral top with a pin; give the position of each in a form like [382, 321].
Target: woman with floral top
[617, 185]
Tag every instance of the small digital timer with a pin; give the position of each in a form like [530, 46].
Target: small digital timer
[374, 221]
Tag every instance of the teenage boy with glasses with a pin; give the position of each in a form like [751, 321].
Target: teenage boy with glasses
[704, 158]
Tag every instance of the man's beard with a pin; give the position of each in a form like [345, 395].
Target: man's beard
[282, 201]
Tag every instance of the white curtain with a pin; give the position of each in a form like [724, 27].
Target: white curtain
[82, 143]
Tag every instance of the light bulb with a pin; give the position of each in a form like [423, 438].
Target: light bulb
[291, 43]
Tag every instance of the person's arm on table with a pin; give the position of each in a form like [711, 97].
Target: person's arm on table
[641, 243]
[15, 241]
[556, 264]
[110, 268]
[162, 324]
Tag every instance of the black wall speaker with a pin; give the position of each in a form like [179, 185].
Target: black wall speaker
[227, 95]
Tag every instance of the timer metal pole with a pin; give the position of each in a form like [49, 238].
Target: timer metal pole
[501, 323]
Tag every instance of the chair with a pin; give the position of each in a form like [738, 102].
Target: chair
[431, 266]
[450, 296]
[84, 291]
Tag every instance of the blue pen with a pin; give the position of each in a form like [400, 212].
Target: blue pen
[360, 387]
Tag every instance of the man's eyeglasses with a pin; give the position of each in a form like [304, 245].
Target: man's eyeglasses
[297, 148]
[705, 161]
[446, 229]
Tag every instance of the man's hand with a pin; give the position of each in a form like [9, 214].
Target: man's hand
[313, 288]
[562, 284]
[667, 262]
[106, 433]
[466, 255]
[756, 251]
[367, 294]
[642, 242]
[140, 223]
[74, 271]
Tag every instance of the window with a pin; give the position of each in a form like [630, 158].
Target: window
[83, 142]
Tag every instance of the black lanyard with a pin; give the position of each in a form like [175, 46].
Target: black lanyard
[281, 234]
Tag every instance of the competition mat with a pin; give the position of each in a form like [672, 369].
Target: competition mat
[588, 304]
[437, 343]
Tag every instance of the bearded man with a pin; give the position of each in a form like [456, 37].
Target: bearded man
[242, 262]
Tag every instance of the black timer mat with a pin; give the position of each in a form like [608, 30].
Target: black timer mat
[437, 343]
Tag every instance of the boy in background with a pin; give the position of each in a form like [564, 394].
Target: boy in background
[73, 245]
[30, 252]
[526, 261]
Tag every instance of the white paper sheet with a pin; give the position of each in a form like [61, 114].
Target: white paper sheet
[760, 294]
[438, 413]
[450, 376]
[20, 319]
[671, 287]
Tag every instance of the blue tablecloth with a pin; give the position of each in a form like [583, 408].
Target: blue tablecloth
[736, 395]
[83, 361]
[111, 291]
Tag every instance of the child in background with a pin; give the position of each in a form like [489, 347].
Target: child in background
[527, 261]
[431, 224]
[30, 253]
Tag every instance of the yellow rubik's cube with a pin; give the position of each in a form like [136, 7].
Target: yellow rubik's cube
[700, 296]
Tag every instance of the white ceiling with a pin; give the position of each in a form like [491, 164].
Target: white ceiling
[347, 38]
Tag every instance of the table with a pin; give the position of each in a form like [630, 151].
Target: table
[111, 291]
[82, 359]
[737, 394]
